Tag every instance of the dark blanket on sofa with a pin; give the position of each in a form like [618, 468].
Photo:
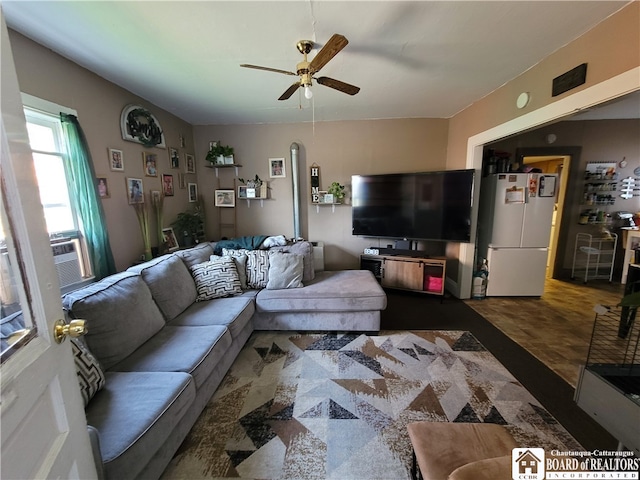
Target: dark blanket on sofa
[250, 242]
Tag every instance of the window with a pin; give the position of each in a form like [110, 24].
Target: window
[63, 224]
[45, 138]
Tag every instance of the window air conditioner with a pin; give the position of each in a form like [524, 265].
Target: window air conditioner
[65, 256]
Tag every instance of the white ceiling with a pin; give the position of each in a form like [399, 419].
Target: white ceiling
[415, 59]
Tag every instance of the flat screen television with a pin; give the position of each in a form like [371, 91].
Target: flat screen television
[414, 206]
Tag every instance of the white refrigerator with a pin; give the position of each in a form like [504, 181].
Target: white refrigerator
[514, 227]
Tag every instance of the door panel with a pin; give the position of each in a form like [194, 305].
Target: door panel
[508, 214]
[516, 271]
[538, 217]
[402, 274]
[44, 431]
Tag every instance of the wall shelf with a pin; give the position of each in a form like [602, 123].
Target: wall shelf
[216, 167]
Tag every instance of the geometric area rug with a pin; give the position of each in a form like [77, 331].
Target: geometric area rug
[336, 405]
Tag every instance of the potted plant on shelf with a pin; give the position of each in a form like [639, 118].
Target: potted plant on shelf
[188, 226]
[220, 155]
[256, 188]
[337, 191]
[227, 153]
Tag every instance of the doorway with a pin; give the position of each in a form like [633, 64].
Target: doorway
[570, 181]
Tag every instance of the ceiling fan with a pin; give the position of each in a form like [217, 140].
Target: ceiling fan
[306, 70]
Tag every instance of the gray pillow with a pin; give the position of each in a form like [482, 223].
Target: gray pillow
[285, 270]
[170, 283]
[305, 249]
[195, 255]
[216, 279]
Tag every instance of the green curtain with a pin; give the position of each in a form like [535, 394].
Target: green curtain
[84, 194]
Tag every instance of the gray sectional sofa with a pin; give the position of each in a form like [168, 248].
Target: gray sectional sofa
[163, 354]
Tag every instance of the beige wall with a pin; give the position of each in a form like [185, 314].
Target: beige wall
[341, 149]
[609, 49]
[46, 75]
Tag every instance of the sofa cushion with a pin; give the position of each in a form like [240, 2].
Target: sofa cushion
[306, 250]
[135, 414]
[216, 278]
[285, 270]
[88, 370]
[198, 254]
[120, 313]
[193, 350]
[241, 266]
[342, 291]
[232, 312]
[170, 283]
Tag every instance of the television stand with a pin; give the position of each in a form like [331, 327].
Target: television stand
[411, 273]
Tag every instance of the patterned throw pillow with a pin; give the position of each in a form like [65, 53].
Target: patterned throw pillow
[90, 375]
[241, 264]
[257, 266]
[216, 279]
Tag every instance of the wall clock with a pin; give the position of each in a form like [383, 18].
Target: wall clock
[141, 126]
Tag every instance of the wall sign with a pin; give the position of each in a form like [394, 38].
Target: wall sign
[140, 125]
[314, 177]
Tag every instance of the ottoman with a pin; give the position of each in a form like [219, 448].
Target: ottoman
[445, 450]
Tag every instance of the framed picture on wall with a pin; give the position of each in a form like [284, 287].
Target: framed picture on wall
[116, 160]
[225, 198]
[102, 184]
[190, 163]
[276, 168]
[193, 192]
[174, 158]
[167, 185]
[134, 190]
[150, 164]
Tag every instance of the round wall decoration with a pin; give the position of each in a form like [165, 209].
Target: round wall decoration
[140, 125]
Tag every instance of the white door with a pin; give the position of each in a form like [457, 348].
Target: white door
[516, 272]
[538, 217]
[508, 209]
[44, 433]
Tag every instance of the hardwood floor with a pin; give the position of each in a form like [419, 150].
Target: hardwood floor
[555, 328]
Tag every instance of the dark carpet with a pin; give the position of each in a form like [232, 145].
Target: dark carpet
[413, 311]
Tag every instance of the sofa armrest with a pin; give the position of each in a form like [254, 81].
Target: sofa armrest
[94, 438]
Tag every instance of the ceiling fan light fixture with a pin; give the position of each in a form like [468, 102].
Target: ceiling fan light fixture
[308, 94]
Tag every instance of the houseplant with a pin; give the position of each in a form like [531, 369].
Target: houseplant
[257, 184]
[220, 154]
[188, 225]
[143, 220]
[337, 191]
[216, 154]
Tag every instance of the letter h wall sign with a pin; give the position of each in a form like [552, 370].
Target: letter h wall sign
[314, 177]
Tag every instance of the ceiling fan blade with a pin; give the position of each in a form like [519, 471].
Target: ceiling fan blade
[268, 69]
[289, 91]
[338, 85]
[336, 43]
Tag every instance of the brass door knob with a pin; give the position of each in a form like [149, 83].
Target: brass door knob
[75, 328]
